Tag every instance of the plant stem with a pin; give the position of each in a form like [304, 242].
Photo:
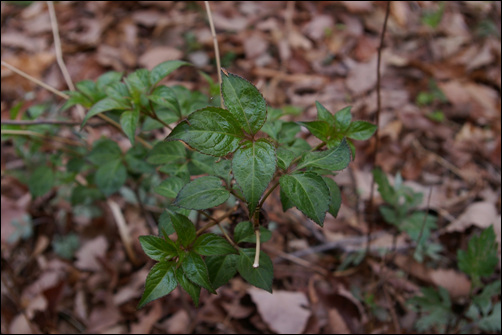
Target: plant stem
[38, 122]
[35, 80]
[266, 195]
[35, 134]
[377, 141]
[257, 253]
[216, 49]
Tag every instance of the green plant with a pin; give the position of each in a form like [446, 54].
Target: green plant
[433, 18]
[231, 158]
[480, 313]
[399, 210]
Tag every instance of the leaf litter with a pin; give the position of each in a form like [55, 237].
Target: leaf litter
[299, 53]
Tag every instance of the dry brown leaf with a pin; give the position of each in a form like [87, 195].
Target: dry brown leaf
[18, 40]
[89, 252]
[19, 325]
[362, 77]
[400, 11]
[178, 323]
[157, 55]
[284, 312]
[147, 320]
[255, 46]
[457, 284]
[317, 27]
[133, 289]
[102, 318]
[337, 323]
[481, 214]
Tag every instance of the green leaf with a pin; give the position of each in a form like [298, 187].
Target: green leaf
[481, 259]
[88, 87]
[184, 228]
[162, 70]
[118, 91]
[104, 105]
[483, 300]
[107, 79]
[167, 152]
[129, 122]
[202, 193]
[342, 119]
[157, 248]
[212, 245]
[160, 281]
[390, 215]
[221, 269]
[169, 187]
[212, 131]
[437, 308]
[335, 195]
[288, 132]
[165, 96]
[324, 115]
[253, 166]
[417, 224]
[361, 130]
[319, 129]
[261, 276]
[309, 193]
[244, 102]
[166, 227]
[192, 289]
[138, 83]
[335, 159]
[244, 232]
[41, 181]
[384, 188]
[491, 323]
[196, 270]
[110, 177]
[104, 151]
[284, 157]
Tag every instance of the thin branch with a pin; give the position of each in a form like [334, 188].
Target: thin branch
[377, 138]
[35, 80]
[124, 232]
[35, 134]
[57, 46]
[64, 96]
[38, 122]
[216, 49]
[59, 54]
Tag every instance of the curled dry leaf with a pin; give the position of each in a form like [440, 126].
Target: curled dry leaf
[284, 312]
[481, 214]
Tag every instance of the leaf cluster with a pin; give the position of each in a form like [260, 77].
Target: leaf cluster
[478, 261]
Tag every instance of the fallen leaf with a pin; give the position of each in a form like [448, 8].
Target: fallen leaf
[19, 325]
[255, 46]
[178, 323]
[337, 323]
[89, 252]
[481, 214]
[157, 55]
[317, 27]
[456, 283]
[363, 77]
[147, 320]
[284, 312]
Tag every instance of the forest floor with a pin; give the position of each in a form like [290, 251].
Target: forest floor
[439, 128]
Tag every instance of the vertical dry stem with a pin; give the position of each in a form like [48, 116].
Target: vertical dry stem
[216, 49]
